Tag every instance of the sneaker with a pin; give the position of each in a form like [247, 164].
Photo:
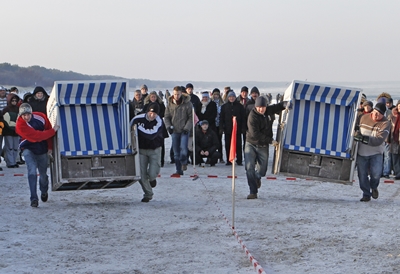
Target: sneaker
[386, 176]
[375, 193]
[34, 203]
[184, 167]
[258, 183]
[12, 166]
[172, 162]
[146, 199]
[44, 197]
[365, 199]
[1, 169]
[228, 163]
[22, 162]
[252, 196]
[153, 183]
[222, 161]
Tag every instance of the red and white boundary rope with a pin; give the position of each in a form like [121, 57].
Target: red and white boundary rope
[253, 261]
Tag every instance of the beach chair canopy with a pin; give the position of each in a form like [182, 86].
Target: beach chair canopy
[323, 118]
[92, 116]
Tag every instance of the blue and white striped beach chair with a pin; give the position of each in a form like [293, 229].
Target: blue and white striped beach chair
[316, 140]
[93, 145]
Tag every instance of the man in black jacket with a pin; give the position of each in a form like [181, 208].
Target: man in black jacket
[206, 145]
[258, 138]
[228, 110]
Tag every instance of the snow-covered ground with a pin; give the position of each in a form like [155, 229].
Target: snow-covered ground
[295, 226]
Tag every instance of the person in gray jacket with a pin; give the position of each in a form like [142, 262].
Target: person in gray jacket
[179, 122]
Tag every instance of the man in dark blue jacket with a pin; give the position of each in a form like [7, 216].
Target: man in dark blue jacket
[151, 132]
[258, 138]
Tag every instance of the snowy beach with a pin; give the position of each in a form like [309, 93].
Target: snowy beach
[295, 226]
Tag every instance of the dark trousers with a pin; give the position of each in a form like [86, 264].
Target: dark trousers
[239, 151]
[211, 159]
[162, 154]
[220, 143]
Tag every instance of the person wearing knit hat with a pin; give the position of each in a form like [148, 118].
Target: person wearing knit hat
[243, 97]
[194, 99]
[37, 133]
[231, 94]
[154, 108]
[206, 145]
[365, 107]
[143, 90]
[368, 104]
[229, 110]
[258, 138]
[151, 132]
[205, 94]
[373, 130]
[381, 108]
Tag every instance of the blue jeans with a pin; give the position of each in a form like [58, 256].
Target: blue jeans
[371, 165]
[33, 163]
[150, 164]
[387, 164]
[11, 149]
[180, 147]
[256, 161]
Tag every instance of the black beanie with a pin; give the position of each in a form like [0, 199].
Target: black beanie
[154, 107]
[381, 108]
[261, 102]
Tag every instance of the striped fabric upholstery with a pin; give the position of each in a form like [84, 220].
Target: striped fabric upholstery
[92, 117]
[323, 119]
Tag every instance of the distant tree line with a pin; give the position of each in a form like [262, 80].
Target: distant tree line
[14, 75]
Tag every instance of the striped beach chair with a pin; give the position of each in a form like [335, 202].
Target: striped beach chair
[94, 148]
[317, 136]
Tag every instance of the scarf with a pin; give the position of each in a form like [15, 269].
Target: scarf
[204, 106]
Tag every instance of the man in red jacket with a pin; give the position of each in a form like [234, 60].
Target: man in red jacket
[36, 132]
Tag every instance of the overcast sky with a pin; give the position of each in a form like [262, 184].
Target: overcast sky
[252, 40]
